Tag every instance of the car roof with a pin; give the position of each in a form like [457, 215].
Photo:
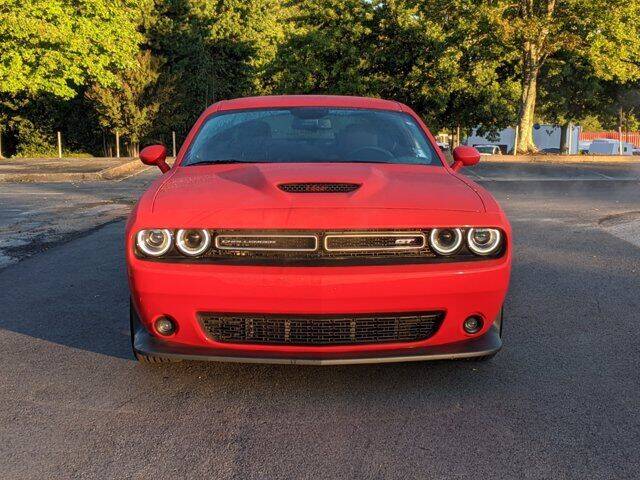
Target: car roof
[284, 101]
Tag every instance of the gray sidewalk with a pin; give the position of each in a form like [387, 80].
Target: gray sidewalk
[67, 169]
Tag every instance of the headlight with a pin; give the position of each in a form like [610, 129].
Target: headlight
[193, 242]
[155, 242]
[484, 241]
[445, 241]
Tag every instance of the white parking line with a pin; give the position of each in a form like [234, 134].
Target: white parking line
[629, 232]
[602, 175]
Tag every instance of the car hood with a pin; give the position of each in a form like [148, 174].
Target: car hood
[256, 186]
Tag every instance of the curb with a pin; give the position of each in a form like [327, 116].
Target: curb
[111, 173]
[121, 171]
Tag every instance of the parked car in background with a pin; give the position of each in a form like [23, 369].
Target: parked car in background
[315, 229]
[488, 149]
[607, 146]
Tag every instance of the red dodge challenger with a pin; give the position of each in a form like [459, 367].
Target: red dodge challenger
[316, 230]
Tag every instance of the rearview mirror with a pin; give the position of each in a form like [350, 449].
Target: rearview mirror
[464, 156]
[155, 155]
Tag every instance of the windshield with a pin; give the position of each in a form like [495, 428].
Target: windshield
[311, 135]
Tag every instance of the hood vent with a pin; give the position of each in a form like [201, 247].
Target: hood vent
[318, 187]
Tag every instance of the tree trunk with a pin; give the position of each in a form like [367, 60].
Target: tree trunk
[132, 149]
[564, 138]
[528, 99]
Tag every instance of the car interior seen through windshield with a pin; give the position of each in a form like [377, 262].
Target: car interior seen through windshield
[311, 135]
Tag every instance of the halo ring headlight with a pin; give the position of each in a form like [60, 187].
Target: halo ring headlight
[484, 241]
[193, 242]
[445, 241]
[154, 242]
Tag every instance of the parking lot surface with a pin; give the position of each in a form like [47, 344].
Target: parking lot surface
[559, 401]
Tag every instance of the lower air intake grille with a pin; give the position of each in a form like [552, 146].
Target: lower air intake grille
[320, 330]
[318, 187]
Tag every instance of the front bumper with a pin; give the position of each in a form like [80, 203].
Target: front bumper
[182, 291]
[487, 344]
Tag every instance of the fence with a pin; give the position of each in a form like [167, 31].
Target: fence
[629, 137]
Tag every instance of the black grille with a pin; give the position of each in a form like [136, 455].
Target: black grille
[266, 243]
[318, 187]
[306, 245]
[375, 241]
[320, 330]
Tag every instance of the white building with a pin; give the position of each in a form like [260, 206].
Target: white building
[544, 136]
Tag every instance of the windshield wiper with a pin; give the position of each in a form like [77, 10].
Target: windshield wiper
[223, 161]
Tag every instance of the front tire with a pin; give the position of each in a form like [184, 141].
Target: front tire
[134, 324]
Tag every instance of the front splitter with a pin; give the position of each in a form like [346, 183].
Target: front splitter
[488, 344]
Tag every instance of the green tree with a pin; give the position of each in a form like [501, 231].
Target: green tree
[56, 46]
[326, 51]
[213, 51]
[620, 107]
[605, 32]
[131, 106]
[482, 91]
[438, 56]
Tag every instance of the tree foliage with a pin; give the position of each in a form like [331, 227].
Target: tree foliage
[55, 46]
[89, 67]
[213, 51]
[438, 56]
[605, 33]
[131, 106]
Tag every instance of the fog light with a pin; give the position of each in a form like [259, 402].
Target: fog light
[165, 326]
[473, 324]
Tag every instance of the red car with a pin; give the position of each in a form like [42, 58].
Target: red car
[319, 230]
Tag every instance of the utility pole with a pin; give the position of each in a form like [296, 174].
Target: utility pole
[515, 141]
[620, 121]
[117, 144]
[59, 144]
[620, 149]
[173, 138]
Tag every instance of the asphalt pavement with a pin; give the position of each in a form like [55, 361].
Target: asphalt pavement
[37, 216]
[559, 401]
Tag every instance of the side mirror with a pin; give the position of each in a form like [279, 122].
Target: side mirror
[155, 155]
[464, 156]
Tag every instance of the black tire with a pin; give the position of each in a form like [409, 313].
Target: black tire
[134, 322]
